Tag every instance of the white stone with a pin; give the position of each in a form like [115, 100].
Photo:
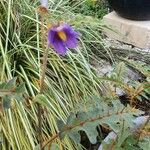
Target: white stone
[136, 33]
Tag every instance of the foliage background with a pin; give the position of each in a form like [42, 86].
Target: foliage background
[70, 81]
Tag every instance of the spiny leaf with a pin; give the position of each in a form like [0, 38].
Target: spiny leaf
[6, 102]
[54, 146]
[10, 84]
[60, 125]
[37, 147]
[20, 88]
[75, 136]
[9, 91]
[2, 85]
[87, 121]
[72, 120]
[91, 132]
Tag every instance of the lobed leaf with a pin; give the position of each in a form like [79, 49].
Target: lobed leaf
[115, 117]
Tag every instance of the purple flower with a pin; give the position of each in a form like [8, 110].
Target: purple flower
[62, 37]
[44, 3]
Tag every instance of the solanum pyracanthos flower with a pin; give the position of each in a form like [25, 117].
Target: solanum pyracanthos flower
[61, 37]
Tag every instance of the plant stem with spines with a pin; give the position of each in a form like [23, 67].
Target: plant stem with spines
[42, 77]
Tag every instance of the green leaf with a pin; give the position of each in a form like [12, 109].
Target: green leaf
[10, 84]
[82, 116]
[9, 91]
[60, 125]
[72, 119]
[2, 85]
[91, 132]
[6, 102]
[145, 143]
[18, 97]
[116, 116]
[75, 136]
[21, 88]
[37, 147]
[54, 146]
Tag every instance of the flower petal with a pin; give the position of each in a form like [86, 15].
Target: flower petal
[72, 36]
[56, 42]
[62, 37]
[71, 42]
[51, 35]
[59, 46]
[44, 3]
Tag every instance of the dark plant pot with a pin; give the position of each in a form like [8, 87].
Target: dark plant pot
[132, 9]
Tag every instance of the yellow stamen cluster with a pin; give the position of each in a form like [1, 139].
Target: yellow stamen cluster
[62, 35]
